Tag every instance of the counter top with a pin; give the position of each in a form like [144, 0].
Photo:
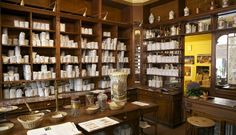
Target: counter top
[215, 101]
[174, 92]
[129, 107]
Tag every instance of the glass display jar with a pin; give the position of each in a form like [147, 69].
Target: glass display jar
[75, 103]
[89, 99]
[102, 101]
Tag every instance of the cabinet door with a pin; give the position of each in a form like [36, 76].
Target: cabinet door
[164, 108]
[146, 96]
[132, 95]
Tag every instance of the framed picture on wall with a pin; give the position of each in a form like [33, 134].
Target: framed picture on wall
[189, 59]
[187, 71]
[204, 58]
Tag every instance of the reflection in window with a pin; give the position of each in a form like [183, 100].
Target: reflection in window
[226, 60]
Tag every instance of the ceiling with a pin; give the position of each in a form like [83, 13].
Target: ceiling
[135, 2]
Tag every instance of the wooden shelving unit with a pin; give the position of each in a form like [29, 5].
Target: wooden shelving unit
[46, 23]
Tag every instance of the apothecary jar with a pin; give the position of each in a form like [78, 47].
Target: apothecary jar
[119, 87]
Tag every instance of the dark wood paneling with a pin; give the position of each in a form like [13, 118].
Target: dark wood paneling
[76, 6]
[163, 10]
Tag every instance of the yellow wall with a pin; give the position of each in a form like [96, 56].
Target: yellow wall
[195, 45]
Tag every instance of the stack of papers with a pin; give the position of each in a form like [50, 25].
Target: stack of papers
[96, 124]
[140, 103]
[68, 128]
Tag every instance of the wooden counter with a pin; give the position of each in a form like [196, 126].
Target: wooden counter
[129, 114]
[219, 109]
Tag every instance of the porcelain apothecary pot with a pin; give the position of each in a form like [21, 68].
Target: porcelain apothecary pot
[151, 18]
[119, 87]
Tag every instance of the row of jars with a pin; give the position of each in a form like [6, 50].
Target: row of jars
[153, 46]
[164, 72]
[162, 59]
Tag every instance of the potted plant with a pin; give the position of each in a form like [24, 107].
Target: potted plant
[193, 90]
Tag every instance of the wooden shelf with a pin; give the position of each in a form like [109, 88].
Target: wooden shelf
[40, 30]
[26, 81]
[108, 50]
[165, 50]
[88, 36]
[16, 28]
[69, 48]
[16, 45]
[89, 77]
[225, 29]
[44, 63]
[68, 78]
[89, 48]
[70, 33]
[166, 76]
[51, 47]
[164, 37]
[198, 33]
[104, 37]
[165, 63]
[108, 62]
[89, 62]
[16, 63]
[73, 63]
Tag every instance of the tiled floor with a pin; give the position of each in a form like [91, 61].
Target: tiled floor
[165, 130]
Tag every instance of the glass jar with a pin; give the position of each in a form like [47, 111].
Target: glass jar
[102, 101]
[89, 99]
[75, 103]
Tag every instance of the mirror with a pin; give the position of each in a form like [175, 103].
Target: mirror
[226, 61]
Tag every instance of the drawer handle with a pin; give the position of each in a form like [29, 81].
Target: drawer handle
[48, 104]
[125, 117]
[20, 108]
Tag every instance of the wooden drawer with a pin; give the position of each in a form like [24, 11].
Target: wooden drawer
[162, 97]
[128, 116]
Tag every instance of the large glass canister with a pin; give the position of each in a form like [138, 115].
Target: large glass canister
[119, 87]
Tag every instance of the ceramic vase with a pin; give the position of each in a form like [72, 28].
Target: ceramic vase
[151, 18]
[119, 87]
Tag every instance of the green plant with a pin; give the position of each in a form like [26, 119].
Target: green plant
[193, 89]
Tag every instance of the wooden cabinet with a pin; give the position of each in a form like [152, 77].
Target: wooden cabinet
[170, 105]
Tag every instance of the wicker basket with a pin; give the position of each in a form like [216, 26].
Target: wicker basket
[8, 130]
[30, 121]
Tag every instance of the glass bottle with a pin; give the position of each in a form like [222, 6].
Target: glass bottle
[89, 99]
[102, 101]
